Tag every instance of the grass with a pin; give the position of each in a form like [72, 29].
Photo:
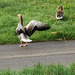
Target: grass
[41, 10]
[40, 69]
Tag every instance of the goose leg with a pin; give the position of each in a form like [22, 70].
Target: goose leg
[21, 44]
[25, 44]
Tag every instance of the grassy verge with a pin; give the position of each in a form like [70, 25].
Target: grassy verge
[40, 69]
[41, 10]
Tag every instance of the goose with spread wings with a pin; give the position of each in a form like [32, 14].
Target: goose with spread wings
[24, 32]
[60, 13]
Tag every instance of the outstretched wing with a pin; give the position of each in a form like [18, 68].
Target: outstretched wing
[35, 25]
[21, 34]
[20, 29]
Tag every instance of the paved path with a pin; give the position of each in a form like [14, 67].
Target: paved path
[54, 52]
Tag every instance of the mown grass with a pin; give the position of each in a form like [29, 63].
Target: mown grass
[41, 10]
[40, 69]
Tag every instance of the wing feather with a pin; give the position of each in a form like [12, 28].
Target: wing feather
[20, 29]
[35, 25]
[21, 34]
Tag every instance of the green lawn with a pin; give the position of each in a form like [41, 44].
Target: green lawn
[41, 10]
[40, 69]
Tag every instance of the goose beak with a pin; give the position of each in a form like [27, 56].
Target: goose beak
[17, 14]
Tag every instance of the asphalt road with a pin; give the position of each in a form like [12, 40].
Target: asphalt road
[53, 52]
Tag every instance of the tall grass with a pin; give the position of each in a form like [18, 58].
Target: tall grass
[40, 69]
[41, 10]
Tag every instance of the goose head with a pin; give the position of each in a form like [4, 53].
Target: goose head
[59, 8]
[19, 15]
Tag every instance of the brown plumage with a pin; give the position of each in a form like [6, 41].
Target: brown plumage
[25, 31]
[35, 25]
[60, 13]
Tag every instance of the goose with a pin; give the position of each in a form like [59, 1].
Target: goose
[60, 13]
[24, 32]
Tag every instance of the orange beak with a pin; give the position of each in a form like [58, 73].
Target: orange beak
[17, 14]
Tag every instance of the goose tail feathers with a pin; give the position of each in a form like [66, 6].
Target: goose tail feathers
[24, 38]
